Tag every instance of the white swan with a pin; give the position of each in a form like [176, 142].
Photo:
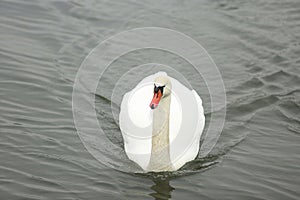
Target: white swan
[166, 134]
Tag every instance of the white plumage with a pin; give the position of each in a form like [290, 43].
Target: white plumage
[186, 123]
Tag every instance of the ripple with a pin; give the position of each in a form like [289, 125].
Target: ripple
[256, 46]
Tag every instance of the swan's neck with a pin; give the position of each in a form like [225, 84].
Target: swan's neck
[160, 152]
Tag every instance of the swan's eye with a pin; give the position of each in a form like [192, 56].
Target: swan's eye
[156, 89]
[159, 88]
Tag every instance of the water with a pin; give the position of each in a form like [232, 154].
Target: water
[255, 45]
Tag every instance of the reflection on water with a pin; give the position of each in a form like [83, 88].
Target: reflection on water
[162, 189]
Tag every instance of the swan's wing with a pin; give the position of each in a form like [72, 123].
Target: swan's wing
[136, 144]
[190, 151]
[135, 121]
[200, 125]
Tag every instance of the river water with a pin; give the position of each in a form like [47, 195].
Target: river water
[255, 44]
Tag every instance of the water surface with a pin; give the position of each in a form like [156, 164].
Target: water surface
[255, 44]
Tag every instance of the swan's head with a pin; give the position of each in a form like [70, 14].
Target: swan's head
[162, 89]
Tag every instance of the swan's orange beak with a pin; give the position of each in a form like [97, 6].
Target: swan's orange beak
[155, 100]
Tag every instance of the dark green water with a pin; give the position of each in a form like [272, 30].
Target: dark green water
[255, 44]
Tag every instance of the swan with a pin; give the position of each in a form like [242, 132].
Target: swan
[161, 122]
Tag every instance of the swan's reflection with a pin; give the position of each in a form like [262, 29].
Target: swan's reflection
[162, 189]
